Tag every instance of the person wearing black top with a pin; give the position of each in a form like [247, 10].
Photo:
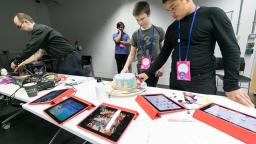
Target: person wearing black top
[191, 39]
[45, 39]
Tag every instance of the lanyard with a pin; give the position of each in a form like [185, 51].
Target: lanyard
[189, 36]
[142, 42]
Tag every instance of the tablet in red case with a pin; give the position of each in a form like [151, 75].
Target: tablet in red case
[108, 122]
[54, 96]
[67, 109]
[157, 104]
[237, 124]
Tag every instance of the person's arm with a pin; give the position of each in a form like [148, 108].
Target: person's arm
[117, 39]
[36, 42]
[230, 50]
[127, 43]
[130, 59]
[33, 58]
[229, 47]
[127, 40]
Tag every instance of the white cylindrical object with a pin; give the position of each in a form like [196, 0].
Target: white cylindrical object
[101, 92]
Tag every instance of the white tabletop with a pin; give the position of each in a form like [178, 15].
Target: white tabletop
[21, 94]
[143, 130]
[10, 90]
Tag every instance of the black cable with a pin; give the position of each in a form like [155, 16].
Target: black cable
[12, 96]
[29, 71]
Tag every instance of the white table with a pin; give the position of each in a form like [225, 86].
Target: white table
[14, 91]
[143, 130]
[9, 90]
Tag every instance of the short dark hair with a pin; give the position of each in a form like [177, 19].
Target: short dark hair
[119, 24]
[141, 7]
[22, 17]
[164, 1]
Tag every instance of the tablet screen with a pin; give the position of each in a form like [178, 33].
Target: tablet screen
[162, 103]
[49, 96]
[65, 109]
[237, 118]
[107, 122]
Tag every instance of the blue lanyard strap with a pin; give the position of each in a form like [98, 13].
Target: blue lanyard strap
[142, 42]
[189, 36]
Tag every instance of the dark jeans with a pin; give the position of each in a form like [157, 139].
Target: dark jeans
[120, 61]
[151, 81]
[70, 65]
[200, 83]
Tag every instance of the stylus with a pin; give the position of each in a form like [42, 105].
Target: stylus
[180, 120]
[113, 119]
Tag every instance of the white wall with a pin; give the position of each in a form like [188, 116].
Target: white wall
[11, 38]
[93, 23]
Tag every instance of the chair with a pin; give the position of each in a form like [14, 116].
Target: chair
[86, 61]
[50, 63]
[242, 79]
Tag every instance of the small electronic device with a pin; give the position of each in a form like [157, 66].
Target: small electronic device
[162, 103]
[67, 109]
[232, 116]
[237, 124]
[45, 85]
[53, 96]
[157, 104]
[108, 122]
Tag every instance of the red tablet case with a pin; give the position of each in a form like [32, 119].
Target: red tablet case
[56, 100]
[89, 107]
[152, 112]
[65, 95]
[116, 107]
[235, 131]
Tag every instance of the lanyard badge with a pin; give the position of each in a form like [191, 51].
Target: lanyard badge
[183, 70]
[146, 60]
[183, 67]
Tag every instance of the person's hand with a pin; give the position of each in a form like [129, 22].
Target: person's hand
[240, 96]
[125, 70]
[159, 72]
[19, 67]
[13, 66]
[120, 31]
[142, 77]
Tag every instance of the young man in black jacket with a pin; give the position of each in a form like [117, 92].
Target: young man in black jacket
[45, 39]
[191, 39]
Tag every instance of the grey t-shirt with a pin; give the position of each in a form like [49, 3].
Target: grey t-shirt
[159, 35]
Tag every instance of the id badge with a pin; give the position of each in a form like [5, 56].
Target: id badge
[183, 70]
[145, 62]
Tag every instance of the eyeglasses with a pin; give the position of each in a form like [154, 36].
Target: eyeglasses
[19, 26]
